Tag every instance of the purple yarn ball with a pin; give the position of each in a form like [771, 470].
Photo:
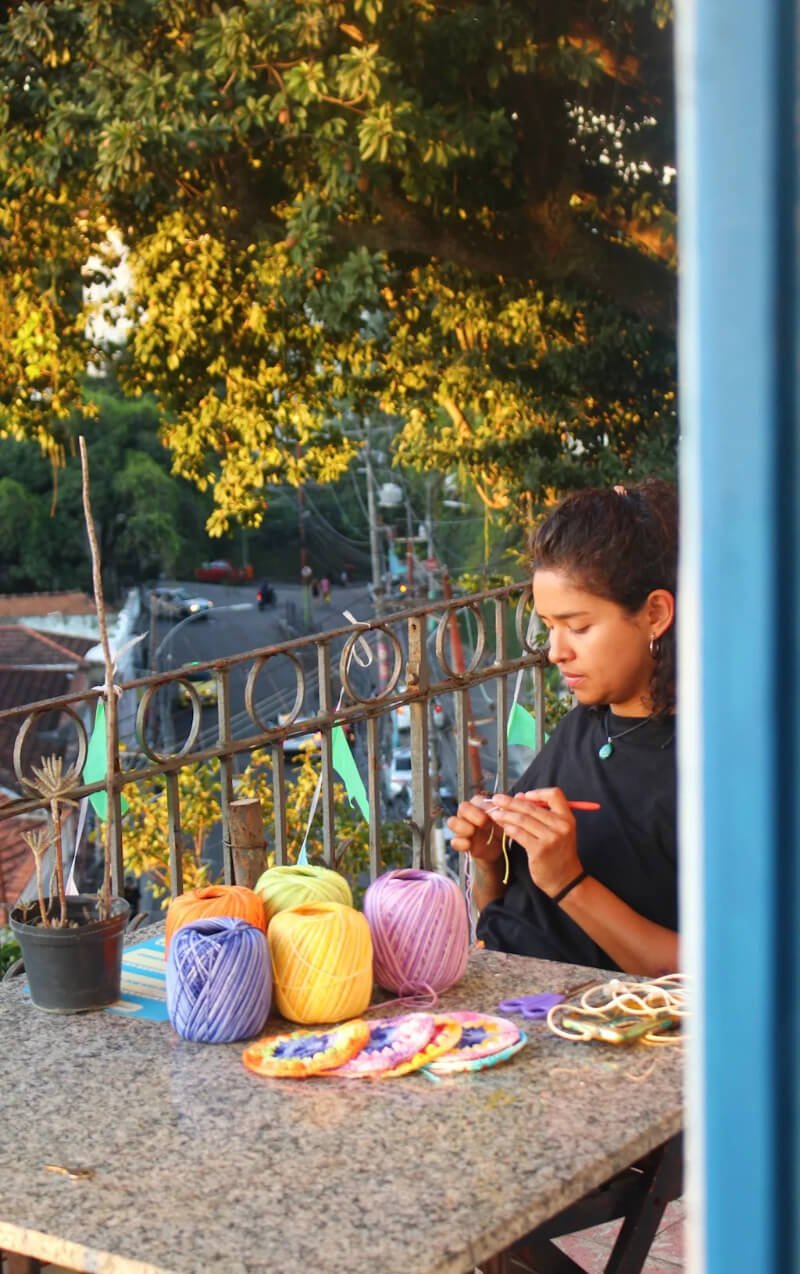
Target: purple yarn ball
[219, 980]
[420, 931]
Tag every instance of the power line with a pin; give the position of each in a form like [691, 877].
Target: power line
[325, 521]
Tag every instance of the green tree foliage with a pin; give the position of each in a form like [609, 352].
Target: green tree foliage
[146, 850]
[454, 213]
[137, 504]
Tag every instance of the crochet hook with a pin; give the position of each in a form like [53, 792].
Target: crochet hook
[574, 805]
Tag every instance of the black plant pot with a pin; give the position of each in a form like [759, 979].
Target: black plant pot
[74, 969]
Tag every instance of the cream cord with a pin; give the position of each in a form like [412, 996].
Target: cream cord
[654, 1000]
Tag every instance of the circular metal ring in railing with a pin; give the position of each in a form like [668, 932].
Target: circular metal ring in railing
[521, 623]
[73, 776]
[480, 640]
[194, 729]
[347, 651]
[250, 686]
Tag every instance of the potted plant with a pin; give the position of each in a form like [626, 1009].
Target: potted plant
[72, 944]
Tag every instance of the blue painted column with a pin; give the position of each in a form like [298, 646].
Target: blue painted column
[739, 637]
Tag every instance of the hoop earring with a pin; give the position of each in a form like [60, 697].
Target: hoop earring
[654, 647]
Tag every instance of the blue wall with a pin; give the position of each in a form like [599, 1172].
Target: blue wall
[739, 641]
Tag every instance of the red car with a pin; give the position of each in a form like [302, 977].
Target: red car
[223, 572]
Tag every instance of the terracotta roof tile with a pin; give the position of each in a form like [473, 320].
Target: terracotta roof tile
[16, 862]
[34, 667]
[23, 604]
[22, 645]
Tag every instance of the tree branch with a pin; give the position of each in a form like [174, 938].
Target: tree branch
[550, 246]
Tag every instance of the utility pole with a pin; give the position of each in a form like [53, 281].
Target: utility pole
[429, 533]
[409, 550]
[153, 631]
[305, 570]
[382, 648]
[374, 530]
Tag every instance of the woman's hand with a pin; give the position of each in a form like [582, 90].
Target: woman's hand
[474, 832]
[544, 825]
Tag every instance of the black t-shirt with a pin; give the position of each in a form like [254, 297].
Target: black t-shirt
[629, 844]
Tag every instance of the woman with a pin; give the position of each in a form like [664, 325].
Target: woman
[596, 887]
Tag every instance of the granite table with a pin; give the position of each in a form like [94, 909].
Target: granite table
[193, 1164]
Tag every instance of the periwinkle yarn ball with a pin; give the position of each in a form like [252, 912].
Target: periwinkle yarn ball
[420, 931]
[219, 980]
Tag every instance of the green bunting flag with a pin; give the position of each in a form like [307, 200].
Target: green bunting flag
[345, 766]
[95, 768]
[521, 727]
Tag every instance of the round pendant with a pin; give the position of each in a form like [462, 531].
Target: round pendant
[606, 751]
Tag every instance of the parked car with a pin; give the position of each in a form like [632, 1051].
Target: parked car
[205, 685]
[400, 772]
[401, 722]
[295, 748]
[221, 571]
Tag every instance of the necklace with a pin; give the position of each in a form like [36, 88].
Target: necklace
[607, 749]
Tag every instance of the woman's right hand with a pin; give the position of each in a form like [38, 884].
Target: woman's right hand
[474, 832]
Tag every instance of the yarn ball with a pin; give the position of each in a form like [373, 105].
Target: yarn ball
[321, 962]
[215, 900]
[219, 980]
[282, 887]
[420, 930]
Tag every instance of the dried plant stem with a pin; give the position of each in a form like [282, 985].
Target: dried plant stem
[55, 815]
[40, 890]
[37, 841]
[109, 693]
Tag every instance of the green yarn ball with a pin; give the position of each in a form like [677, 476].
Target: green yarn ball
[282, 887]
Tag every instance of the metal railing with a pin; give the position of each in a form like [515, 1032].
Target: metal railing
[355, 677]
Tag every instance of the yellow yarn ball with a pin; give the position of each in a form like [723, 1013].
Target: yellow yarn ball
[321, 962]
[282, 887]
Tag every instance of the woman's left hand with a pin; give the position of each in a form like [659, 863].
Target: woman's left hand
[542, 822]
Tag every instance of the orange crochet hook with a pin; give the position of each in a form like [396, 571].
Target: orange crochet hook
[574, 805]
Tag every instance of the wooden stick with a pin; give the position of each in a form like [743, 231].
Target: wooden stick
[109, 693]
[248, 844]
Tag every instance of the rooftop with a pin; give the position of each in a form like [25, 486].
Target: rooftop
[24, 605]
[34, 667]
[16, 862]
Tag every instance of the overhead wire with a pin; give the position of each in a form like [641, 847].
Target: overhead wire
[329, 525]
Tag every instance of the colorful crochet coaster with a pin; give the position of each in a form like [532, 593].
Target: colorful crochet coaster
[446, 1034]
[452, 1064]
[297, 1054]
[483, 1034]
[392, 1040]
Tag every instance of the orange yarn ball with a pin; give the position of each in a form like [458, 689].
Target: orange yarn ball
[215, 900]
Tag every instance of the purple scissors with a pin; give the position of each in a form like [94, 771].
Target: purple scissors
[533, 1007]
[536, 1007]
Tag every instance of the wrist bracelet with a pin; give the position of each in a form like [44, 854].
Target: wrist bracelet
[568, 888]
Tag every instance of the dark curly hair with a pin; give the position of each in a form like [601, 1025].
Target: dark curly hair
[619, 544]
